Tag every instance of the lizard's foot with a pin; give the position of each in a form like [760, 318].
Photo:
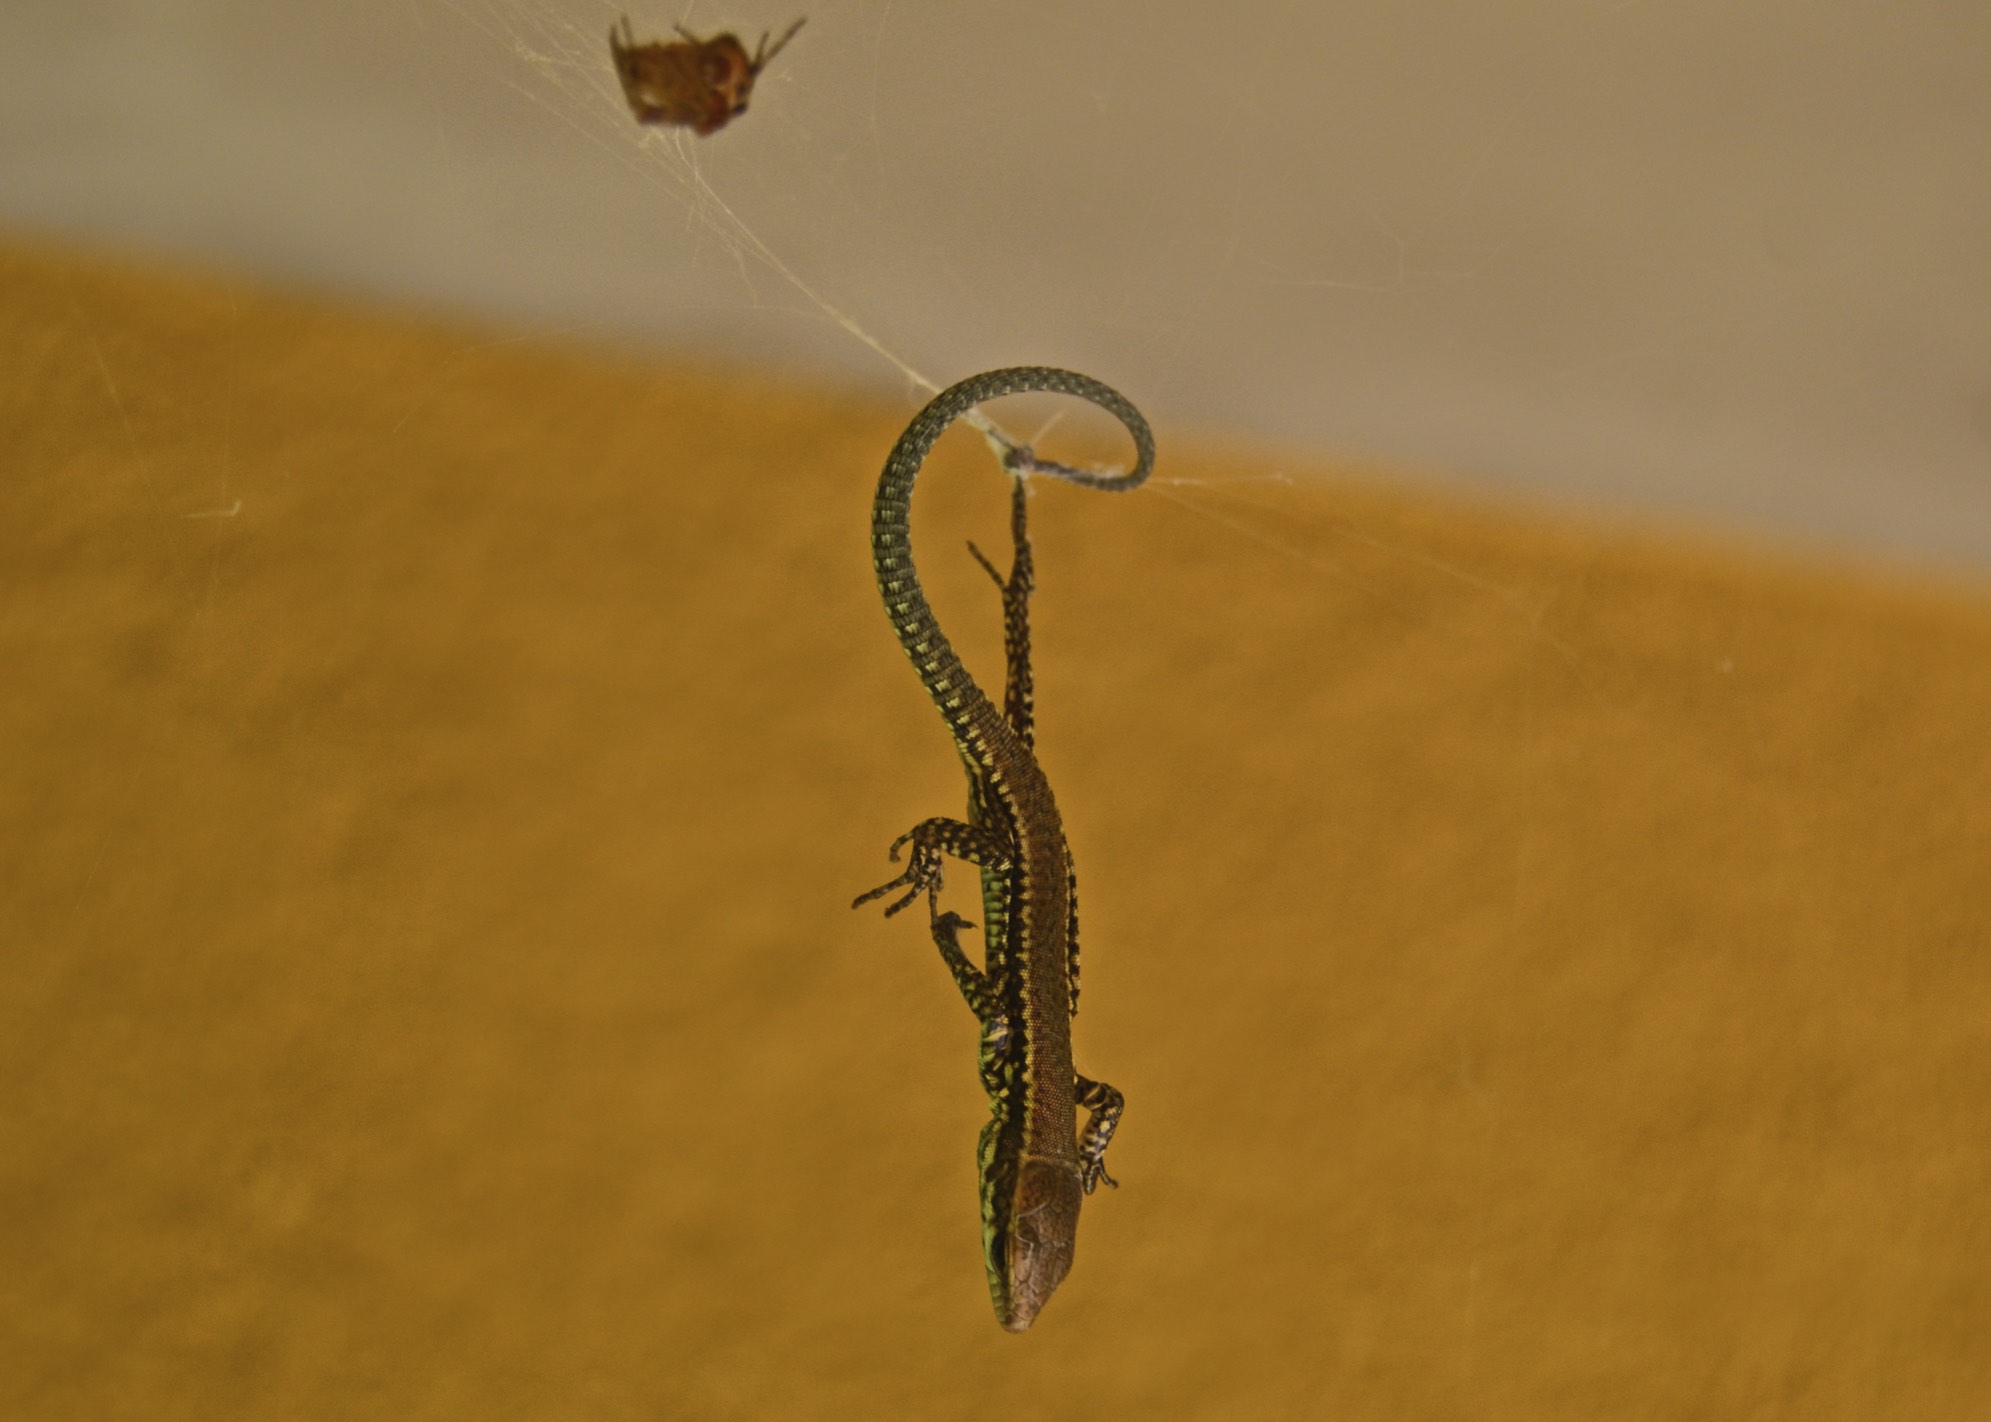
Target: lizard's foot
[932, 840]
[1105, 1104]
[923, 875]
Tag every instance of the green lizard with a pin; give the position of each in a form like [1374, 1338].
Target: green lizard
[1035, 1168]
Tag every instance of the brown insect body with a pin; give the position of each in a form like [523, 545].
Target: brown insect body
[690, 83]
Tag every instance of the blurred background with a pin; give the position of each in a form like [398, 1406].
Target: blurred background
[1717, 263]
[445, 710]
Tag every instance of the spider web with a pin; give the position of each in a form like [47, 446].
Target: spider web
[1247, 231]
[805, 233]
[570, 81]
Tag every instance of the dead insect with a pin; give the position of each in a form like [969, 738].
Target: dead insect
[698, 84]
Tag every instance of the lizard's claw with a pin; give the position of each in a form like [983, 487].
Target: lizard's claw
[923, 875]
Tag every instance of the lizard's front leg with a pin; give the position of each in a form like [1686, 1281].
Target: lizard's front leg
[983, 994]
[1105, 1105]
[930, 840]
[977, 988]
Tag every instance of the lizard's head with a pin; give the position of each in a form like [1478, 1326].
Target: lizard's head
[1031, 1236]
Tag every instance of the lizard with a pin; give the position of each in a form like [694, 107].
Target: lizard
[1035, 1169]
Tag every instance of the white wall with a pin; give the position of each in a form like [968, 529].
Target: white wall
[1722, 261]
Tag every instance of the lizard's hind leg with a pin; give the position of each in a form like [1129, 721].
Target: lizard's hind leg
[931, 841]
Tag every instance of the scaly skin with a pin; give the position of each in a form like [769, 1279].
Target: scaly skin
[1035, 1169]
